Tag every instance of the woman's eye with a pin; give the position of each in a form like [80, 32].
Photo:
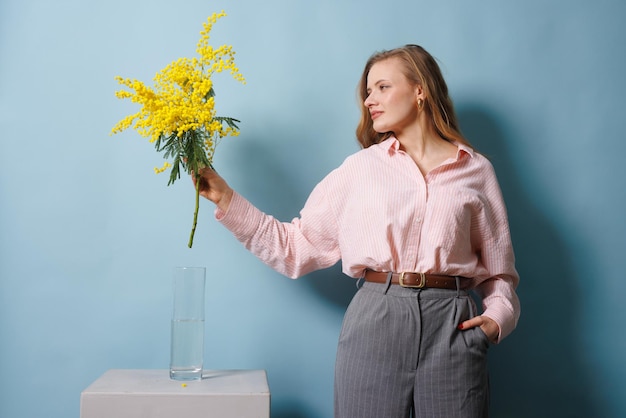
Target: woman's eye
[383, 87]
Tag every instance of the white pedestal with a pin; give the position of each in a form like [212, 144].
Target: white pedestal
[152, 394]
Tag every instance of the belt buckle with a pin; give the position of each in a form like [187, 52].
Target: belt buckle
[420, 285]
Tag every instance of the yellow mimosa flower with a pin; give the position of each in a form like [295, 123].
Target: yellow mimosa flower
[178, 113]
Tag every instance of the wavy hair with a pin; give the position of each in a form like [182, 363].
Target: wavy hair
[421, 69]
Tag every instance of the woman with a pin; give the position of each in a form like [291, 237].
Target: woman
[419, 217]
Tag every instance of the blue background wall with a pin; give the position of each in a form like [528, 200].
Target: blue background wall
[89, 235]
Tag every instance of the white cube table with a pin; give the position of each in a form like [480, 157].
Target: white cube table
[122, 393]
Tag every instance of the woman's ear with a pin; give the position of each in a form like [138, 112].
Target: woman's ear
[419, 92]
[419, 96]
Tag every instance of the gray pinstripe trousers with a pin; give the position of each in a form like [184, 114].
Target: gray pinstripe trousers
[400, 354]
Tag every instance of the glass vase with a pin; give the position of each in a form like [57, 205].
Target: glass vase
[187, 339]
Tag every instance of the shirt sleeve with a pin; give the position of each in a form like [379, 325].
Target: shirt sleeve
[499, 299]
[295, 248]
[500, 303]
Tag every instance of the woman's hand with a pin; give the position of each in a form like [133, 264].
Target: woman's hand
[214, 188]
[488, 325]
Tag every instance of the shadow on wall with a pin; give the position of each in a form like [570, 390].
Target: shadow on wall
[289, 409]
[334, 286]
[537, 371]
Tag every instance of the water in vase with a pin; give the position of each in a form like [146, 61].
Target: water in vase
[187, 349]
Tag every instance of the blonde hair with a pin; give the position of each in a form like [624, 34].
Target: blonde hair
[421, 69]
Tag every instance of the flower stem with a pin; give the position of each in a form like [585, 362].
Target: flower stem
[195, 213]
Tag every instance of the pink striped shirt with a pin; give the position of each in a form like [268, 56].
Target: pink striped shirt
[377, 211]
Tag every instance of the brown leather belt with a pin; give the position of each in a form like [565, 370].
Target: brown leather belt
[414, 280]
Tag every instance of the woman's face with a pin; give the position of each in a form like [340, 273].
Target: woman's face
[391, 100]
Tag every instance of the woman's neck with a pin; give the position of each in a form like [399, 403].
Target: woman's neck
[427, 149]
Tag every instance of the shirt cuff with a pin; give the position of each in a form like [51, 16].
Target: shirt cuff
[241, 217]
[500, 303]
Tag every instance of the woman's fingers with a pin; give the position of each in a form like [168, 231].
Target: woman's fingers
[488, 325]
[213, 187]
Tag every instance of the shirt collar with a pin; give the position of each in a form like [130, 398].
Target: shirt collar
[463, 149]
[392, 145]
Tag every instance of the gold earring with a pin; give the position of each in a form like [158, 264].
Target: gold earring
[420, 104]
